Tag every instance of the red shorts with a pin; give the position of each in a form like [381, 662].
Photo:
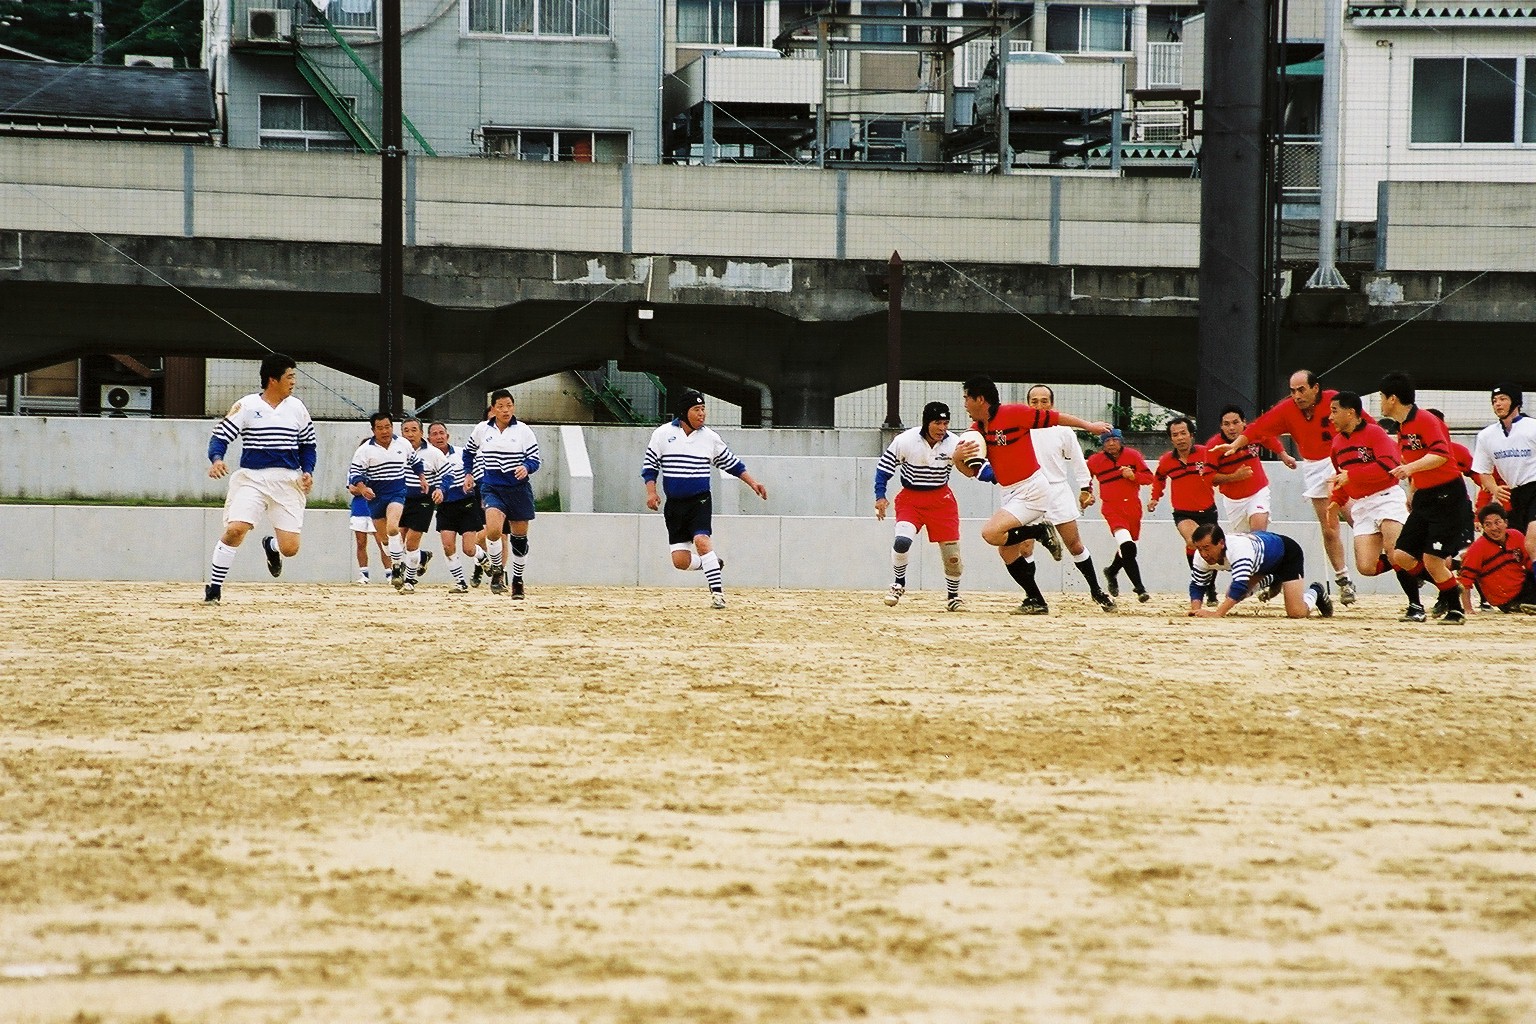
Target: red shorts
[1123, 514]
[934, 510]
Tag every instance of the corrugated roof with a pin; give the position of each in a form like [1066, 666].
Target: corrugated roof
[105, 95]
[1439, 12]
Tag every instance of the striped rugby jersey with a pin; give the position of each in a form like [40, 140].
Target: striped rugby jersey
[443, 469]
[381, 467]
[1249, 556]
[492, 455]
[270, 438]
[683, 460]
[921, 466]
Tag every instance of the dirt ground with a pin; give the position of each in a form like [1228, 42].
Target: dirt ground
[337, 804]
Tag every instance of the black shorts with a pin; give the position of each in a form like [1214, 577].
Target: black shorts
[1293, 564]
[418, 513]
[462, 516]
[1439, 523]
[687, 518]
[1522, 506]
[1205, 517]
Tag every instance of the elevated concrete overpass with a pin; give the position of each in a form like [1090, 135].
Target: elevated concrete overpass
[760, 278]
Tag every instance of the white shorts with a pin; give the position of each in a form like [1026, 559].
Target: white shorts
[273, 491]
[1064, 507]
[1369, 512]
[1235, 511]
[1315, 474]
[361, 524]
[1029, 501]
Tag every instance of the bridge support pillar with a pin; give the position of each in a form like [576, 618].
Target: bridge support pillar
[804, 397]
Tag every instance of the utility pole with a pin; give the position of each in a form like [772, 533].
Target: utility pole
[98, 33]
[894, 277]
[392, 223]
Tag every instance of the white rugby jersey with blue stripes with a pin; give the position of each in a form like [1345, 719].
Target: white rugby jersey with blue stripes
[270, 438]
[492, 455]
[381, 467]
[443, 469]
[920, 465]
[1249, 556]
[683, 460]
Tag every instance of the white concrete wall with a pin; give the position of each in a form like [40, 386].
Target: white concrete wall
[1374, 142]
[61, 542]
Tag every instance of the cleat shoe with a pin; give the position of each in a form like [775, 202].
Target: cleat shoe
[1347, 593]
[717, 600]
[1111, 583]
[1413, 613]
[517, 588]
[1440, 608]
[955, 604]
[1052, 542]
[274, 557]
[498, 581]
[397, 575]
[1526, 609]
[421, 570]
[459, 588]
[1143, 597]
[1324, 602]
[893, 596]
[1210, 599]
[1104, 601]
[212, 593]
[408, 587]
[1453, 617]
[1265, 589]
[478, 574]
[1029, 606]
[362, 580]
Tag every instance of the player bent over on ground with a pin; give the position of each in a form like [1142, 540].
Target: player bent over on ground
[921, 458]
[681, 453]
[277, 470]
[1250, 557]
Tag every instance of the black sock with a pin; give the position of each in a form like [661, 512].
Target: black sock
[1410, 585]
[1023, 572]
[1127, 558]
[1020, 534]
[1086, 568]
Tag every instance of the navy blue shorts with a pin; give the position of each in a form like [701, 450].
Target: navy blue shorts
[515, 502]
[379, 504]
[687, 518]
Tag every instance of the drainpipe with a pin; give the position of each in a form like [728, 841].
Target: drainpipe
[765, 393]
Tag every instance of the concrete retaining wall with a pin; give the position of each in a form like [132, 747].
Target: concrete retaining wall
[69, 542]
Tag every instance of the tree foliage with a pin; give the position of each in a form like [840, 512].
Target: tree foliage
[62, 29]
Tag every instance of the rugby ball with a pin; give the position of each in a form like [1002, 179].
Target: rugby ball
[975, 437]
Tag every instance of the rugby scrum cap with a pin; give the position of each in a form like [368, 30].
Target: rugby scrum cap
[687, 400]
[935, 411]
[1512, 392]
[1113, 434]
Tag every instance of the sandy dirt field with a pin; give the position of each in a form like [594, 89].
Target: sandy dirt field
[337, 804]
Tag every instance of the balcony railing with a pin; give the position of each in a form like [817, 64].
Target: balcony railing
[1300, 169]
[1165, 65]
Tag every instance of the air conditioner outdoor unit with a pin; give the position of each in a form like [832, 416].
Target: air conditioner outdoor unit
[268, 25]
[126, 399]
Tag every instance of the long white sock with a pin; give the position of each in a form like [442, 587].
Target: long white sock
[221, 562]
[711, 564]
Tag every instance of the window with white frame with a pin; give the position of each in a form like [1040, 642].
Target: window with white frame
[562, 19]
[302, 123]
[1474, 100]
[566, 145]
[348, 14]
[1083, 29]
[720, 22]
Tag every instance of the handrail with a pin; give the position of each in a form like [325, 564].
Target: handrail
[368, 74]
[331, 97]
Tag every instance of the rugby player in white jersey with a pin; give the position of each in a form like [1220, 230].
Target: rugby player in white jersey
[277, 467]
[920, 459]
[416, 517]
[459, 514]
[377, 473]
[682, 453]
[499, 457]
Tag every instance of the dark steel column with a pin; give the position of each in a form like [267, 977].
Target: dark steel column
[1233, 203]
[893, 281]
[392, 223]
